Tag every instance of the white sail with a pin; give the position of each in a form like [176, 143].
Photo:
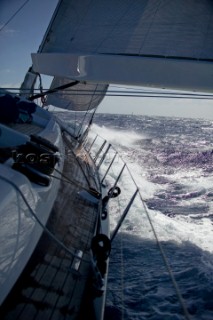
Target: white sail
[81, 97]
[28, 83]
[177, 28]
[143, 42]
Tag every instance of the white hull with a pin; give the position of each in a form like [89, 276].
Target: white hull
[46, 231]
[19, 230]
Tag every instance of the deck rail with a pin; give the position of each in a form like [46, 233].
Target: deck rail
[114, 173]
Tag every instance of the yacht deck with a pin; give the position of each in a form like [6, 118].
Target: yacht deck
[52, 285]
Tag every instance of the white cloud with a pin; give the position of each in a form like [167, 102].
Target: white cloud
[10, 85]
[6, 70]
[6, 30]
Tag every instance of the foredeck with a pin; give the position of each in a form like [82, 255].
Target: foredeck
[53, 284]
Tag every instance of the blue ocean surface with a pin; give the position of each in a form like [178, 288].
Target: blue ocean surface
[171, 160]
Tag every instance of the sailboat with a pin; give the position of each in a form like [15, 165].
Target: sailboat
[55, 234]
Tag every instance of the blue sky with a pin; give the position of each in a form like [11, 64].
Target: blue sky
[23, 36]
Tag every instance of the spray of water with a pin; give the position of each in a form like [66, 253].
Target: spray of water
[179, 228]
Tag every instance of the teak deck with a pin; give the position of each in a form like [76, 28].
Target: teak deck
[52, 285]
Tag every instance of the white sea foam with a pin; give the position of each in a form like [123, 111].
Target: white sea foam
[181, 187]
[117, 137]
[180, 228]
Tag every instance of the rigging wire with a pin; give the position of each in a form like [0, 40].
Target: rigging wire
[45, 229]
[166, 263]
[152, 96]
[13, 16]
[127, 93]
[88, 109]
[170, 272]
[121, 262]
[119, 90]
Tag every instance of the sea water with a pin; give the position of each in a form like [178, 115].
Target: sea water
[171, 160]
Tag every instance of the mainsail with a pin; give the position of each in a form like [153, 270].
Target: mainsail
[155, 43]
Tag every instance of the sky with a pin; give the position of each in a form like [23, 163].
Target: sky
[23, 35]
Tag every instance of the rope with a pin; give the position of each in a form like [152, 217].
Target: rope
[68, 180]
[50, 234]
